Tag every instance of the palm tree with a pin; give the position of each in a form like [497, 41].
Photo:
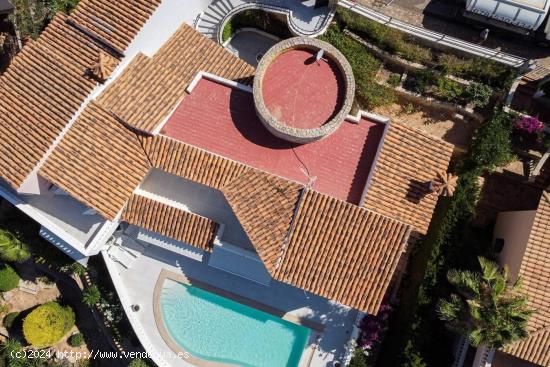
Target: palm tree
[12, 249]
[486, 309]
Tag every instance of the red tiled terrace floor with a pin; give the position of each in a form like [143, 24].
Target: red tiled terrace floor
[300, 92]
[223, 120]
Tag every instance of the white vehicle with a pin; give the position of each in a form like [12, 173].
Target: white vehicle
[520, 16]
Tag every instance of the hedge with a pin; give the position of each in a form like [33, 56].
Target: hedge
[9, 279]
[47, 324]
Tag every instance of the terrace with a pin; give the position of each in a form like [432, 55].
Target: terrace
[222, 119]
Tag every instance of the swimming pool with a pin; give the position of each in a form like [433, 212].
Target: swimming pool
[215, 328]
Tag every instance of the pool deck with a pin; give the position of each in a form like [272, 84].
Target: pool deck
[137, 286]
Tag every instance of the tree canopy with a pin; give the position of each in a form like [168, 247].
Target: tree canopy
[486, 308]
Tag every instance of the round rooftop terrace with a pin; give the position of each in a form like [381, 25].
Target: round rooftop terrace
[300, 97]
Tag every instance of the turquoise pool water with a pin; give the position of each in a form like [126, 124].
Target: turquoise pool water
[218, 329]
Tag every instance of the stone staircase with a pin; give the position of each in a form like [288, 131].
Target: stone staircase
[303, 18]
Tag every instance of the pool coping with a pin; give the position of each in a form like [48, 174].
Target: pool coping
[315, 327]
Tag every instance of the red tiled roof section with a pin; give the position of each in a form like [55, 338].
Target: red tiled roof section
[342, 252]
[191, 163]
[99, 162]
[535, 275]
[171, 222]
[265, 206]
[150, 88]
[409, 159]
[46, 84]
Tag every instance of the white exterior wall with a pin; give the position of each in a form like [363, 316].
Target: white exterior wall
[514, 228]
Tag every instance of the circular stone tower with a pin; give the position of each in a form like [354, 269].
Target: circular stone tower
[303, 89]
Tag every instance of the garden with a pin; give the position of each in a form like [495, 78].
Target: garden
[45, 306]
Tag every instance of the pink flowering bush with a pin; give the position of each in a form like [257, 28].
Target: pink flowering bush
[529, 125]
[529, 134]
[373, 327]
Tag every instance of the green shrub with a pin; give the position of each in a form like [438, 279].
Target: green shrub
[9, 279]
[364, 66]
[451, 64]
[492, 73]
[76, 340]
[9, 320]
[415, 53]
[227, 31]
[448, 90]
[359, 359]
[138, 362]
[91, 296]
[492, 144]
[479, 94]
[420, 81]
[12, 249]
[394, 80]
[47, 324]
[74, 268]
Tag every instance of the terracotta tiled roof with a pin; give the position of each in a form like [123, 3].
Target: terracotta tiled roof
[46, 84]
[150, 88]
[265, 205]
[342, 252]
[171, 222]
[408, 160]
[334, 249]
[191, 163]
[117, 22]
[535, 274]
[99, 162]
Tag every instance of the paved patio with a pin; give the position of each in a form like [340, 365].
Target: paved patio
[137, 284]
[251, 44]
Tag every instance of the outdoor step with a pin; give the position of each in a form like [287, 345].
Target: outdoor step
[122, 256]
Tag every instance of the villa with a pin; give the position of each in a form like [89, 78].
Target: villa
[246, 217]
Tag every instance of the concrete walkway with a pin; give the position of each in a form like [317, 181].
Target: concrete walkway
[303, 19]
